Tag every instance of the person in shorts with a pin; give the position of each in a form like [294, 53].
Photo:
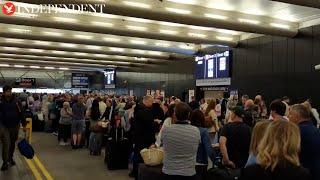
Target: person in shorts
[78, 121]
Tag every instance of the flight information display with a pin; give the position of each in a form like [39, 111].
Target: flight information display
[109, 75]
[80, 80]
[213, 66]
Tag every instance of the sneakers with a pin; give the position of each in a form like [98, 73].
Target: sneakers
[4, 167]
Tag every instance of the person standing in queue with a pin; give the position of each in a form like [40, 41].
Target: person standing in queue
[78, 121]
[143, 130]
[11, 116]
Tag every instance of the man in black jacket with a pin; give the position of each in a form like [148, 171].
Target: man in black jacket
[11, 116]
[143, 130]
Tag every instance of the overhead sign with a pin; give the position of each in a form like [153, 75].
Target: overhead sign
[214, 82]
[25, 82]
[214, 88]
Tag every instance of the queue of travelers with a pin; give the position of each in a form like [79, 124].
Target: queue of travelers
[280, 141]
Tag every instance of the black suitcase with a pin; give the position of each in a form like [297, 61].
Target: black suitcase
[117, 150]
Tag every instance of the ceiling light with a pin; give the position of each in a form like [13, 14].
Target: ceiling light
[154, 52]
[178, 11]
[104, 24]
[216, 16]
[164, 31]
[11, 48]
[116, 49]
[171, 24]
[193, 2]
[137, 28]
[82, 36]
[59, 52]
[42, 42]
[49, 67]
[163, 44]
[282, 26]
[197, 35]
[138, 51]
[80, 54]
[224, 38]
[254, 12]
[111, 39]
[64, 19]
[249, 21]
[183, 46]
[63, 68]
[200, 28]
[52, 33]
[137, 42]
[27, 15]
[19, 66]
[68, 45]
[10, 40]
[104, 15]
[93, 47]
[17, 30]
[35, 67]
[136, 4]
[4, 65]
[138, 20]
[101, 55]
[36, 50]
[226, 31]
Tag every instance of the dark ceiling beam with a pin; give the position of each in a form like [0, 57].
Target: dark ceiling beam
[153, 14]
[82, 62]
[98, 59]
[95, 42]
[113, 31]
[307, 3]
[92, 51]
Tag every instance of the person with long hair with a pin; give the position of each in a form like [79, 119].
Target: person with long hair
[278, 155]
[210, 114]
[205, 149]
[257, 135]
[65, 124]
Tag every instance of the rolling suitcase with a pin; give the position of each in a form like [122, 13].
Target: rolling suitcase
[117, 150]
[95, 143]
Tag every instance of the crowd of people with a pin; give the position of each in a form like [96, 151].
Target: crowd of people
[280, 141]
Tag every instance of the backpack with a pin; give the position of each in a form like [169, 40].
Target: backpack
[26, 149]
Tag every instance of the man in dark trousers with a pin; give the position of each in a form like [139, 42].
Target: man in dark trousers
[11, 116]
[194, 104]
[143, 130]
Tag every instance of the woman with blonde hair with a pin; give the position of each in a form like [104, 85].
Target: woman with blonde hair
[211, 120]
[258, 133]
[278, 155]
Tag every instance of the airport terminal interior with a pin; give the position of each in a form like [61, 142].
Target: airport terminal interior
[160, 89]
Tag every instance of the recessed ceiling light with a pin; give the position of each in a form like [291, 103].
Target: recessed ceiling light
[138, 20]
[137, 42]
[116, 49]
[250, 21]
[193, 2]
[197, 35]
[154, 52]
[64, 19]
[165, 31]
[42, 42]
[282, 26]
[49, 67]
[80, 54]
[215, 16]
[52, 33]
[36, 50]
[171, 24]
[183, 46]
[104, 24]
[111, 39]
[4, 65]
[82, 36]
[200, 28]
[163, 44]
[19, 66]
[34, 67]
[17, 30]
[137, 28]
[226, 31]
[68, 45]
[59, 52]
[93, 47]
[27, 15]
[63, 68]
[104, 15]
[178, 11]
[11, 48]
[138, 51]
[224, 38]
[101, 55]
[136, 4]
[10, 40]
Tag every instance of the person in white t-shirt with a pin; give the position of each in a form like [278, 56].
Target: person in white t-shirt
[203, 105]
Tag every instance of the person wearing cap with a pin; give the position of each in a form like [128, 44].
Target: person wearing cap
[235, 140]
[11, 116]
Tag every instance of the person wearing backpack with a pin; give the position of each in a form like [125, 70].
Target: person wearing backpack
[11, 116]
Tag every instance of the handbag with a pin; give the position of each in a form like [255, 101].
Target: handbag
[25, 148]
[152, 157]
